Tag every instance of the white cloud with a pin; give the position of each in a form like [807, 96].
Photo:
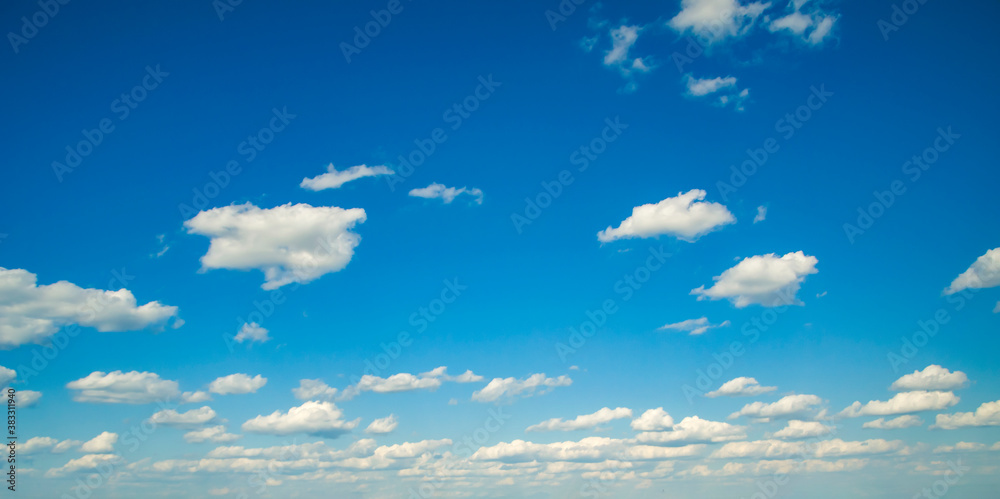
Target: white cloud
[65, 445]
[902, 403]
[29, 313]
[314, 389]
[26, 398]
[333, 179]
[500, 388]
[314, 418]
[796, 22]
[767, 280]
[653, 420]
[761, 214]
[685, 217]
[195, 397]
[289, 243]
[403, 382]
[698, 87]
[811, 27]
[590, 449]
[996, 309]
[583, 422]
[741, 387]
[787, 406]
[237, 384]
[961, 447]
[693, 429]
[101, 444]
[984, 273]
[251, 332]
[7, 375]
[216, 434]
[933, 377]
[382, 426]
[694, 326]
[189, 419]
[716, 20]
[622, 40]
[119, 387]
[446, 194]
[987, 414]
[803, 429]
[893, 424]
[35, 444]
[87, 462]
[771, 449]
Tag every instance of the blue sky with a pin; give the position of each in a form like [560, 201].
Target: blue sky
[209, 205]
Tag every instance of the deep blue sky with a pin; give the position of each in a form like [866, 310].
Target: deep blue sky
[525, 290]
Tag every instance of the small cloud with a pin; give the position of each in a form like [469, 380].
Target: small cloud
[334, 179]
[252, 332]
[761, 214]
[446, 194]
[693, 326]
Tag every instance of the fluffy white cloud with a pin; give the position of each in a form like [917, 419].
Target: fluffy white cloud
[803, 429]
[87, 462]
[119, 387]
[6, 375]
[35, 445]
[289, 243]
[894, 423]
[694, 326]
[685, 217]
[987, 414]
[772, 449]
[216, 434]
[741, 387]
[195, 397]
[767, 280]
[984, 273]
[333, 179]
[653, 420]
[65, 445]
[499, 388]
[251, 332]
[189, 419]
[101, 444]
[314, 389]
[693, 429]
[583, 422]
[590, 449]
[403, 382]
[30, 313]
[787, 406]
[237, 384]
[26, 398]
[446, 194]
[382, 426]
[716, 20]
[314, 418]
[902, 403]
[933, 377]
